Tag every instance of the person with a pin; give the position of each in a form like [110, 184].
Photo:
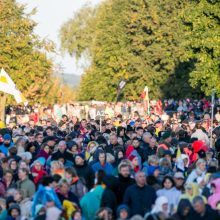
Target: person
[215, 197]
[198, 174]
[179, 180]
[37, 169]
[25, 184]
[77, 186]
[184, 211]
[62, 153]
[170, 192]
[200, 134]
[102, 164]
[124, 180]
[84, 170]
[24, 204]
[161, 205]
[14, 212]
[123, 212]
[203, 211]
[139, 197]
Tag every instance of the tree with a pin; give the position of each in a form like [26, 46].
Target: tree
[23, 54]
[201, 19]
[139, 41]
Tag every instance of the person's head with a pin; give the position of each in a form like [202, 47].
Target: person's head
[201, 165]
[153, 160]
[168, 182]
[7, 140]
[37, 165]
[55, 166]
[13, 151]
[134, 161]
[46, 148]
[140, 131]
[161, 205]
[102, 157]
[39, 138]
[49, 131]
[83, 123]
[23, 173]
[77, 215]
[184, 207]
[31, 147]
[136, 143]
[8, 175]
[199, 205]
[13, 165]
[23, 164]
[147, 136]
[79, 159]
[70, 173]
[152, 142]
[179, 179]
[140, 179]
[62, 146]
[19, 196]
[14, 211]
[123, 212]
[164, 162]
[64, 186]
[113, 139]
[124, 170]
[167, 137]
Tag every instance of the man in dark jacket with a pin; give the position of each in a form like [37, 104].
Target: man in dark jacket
[140, 197]
[203, 211]
[125, 181]
[62, 152]
[84, 170]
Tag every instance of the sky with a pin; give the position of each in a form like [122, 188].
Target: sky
[51, 14]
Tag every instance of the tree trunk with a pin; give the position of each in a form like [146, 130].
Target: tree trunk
[2, 106]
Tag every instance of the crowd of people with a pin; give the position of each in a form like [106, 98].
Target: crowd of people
[123, 164]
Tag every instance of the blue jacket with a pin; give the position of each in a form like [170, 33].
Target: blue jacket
[108, 168]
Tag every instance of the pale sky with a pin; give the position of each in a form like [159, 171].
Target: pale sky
[51, 14]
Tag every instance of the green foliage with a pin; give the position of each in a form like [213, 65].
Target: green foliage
[23, 55]
[144, 42]
[202, 40]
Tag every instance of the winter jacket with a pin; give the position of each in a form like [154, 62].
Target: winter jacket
[215, 197]
[108, 168]
[139, 199]
[173, 195]
[86, 172]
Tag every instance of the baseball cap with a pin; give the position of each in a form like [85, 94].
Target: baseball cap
[179, 175]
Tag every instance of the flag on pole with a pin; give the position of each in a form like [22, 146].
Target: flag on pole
[8, 86]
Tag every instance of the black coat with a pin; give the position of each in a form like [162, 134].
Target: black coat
[86, 173]
[123, 184]
[139, 199]
[210, 214]
[66, 155]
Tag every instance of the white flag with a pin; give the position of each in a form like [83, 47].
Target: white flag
[8, 86]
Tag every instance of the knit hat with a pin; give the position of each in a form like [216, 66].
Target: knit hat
[166, 135]
[122, 207]
[41, 160]
[7, 137]
[80, 155]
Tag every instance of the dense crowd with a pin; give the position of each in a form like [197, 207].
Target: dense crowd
[70, 162]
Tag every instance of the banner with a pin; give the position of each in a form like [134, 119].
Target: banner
[8, 86]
